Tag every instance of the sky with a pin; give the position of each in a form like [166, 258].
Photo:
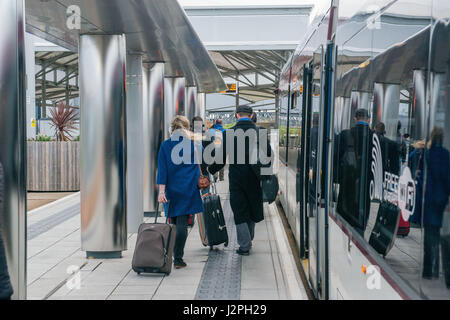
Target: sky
[212, 3]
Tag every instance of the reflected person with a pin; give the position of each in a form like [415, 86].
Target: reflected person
[437, 192]
[352, 161]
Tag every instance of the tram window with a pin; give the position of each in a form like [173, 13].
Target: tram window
[402, 158]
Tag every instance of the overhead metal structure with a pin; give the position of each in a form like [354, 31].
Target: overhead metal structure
[257, 71]
[148, 31]
[57, 79]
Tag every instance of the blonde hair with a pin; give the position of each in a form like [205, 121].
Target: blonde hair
[419, 144]
[179, 122]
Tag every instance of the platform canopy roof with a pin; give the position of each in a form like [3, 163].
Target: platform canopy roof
[158, 29]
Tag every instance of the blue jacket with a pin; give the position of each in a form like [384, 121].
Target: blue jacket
[437, 185]
[180, 177]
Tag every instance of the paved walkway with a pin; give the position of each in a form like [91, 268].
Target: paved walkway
[54, 253]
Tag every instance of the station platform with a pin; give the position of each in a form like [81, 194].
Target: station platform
[54, 256]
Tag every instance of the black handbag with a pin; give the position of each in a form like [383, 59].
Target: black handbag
[385, 230]
[270, 188]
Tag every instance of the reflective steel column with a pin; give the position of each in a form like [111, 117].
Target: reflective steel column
[418, 112]
[174, 98]
[135, 142]
[12, 141]
[153, 131]
[359, 100]
[191, 102]
[103, 145]
[386, 102]
[201, 106]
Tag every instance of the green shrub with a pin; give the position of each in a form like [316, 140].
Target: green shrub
[43, 138]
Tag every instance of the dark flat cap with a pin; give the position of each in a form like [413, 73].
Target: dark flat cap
[244, 109]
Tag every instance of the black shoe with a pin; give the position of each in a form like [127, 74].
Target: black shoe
[179, 264]
[242, 252]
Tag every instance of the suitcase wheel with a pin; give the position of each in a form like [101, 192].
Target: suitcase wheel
[226, 244]
[167, 273]
[211, 247]
[138, 272]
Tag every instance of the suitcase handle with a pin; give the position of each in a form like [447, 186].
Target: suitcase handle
[213, 184]
[157, 212]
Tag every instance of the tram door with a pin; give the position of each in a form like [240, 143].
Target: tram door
[313, 171]
[303, 162]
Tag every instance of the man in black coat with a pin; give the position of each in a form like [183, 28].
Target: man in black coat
[352, 158]
[244, 175]
[6, 290]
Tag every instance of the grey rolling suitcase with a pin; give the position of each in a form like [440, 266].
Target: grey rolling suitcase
[154, 248]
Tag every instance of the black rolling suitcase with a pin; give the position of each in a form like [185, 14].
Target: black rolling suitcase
[211, 222]
[385, 230]
[154, 247]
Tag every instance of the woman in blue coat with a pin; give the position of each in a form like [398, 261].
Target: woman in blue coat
[178, 174]
[437, 192]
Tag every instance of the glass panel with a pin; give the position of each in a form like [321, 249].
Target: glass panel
[434, 183]
[312, 208]
[378, 167]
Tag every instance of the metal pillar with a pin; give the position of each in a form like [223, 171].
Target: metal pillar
[359, 100]
[103, 145]
[277, 111]
[237, 90]
[12, 141]
[201, 106]
[191, 102]
[386, 102]
[419, 113]
[153, 131]
[174, 98]
[135, 142]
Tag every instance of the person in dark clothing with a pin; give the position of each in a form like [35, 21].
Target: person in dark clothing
[6, 290]
[198, 128]
[244, 176]
[352, 158]
[416, 160]
[380, 129]
[437, 192]
[215, 134]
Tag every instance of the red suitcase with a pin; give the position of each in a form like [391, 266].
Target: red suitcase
[191, 220]
[403, 227]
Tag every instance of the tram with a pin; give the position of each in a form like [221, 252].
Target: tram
[392, 59]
